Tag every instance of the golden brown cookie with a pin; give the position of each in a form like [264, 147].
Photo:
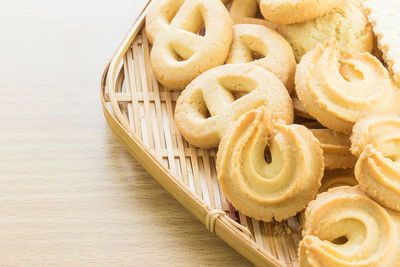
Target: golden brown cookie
[336, 147]
[344, 227]
[376, 141]
[299, 109]
[264, 47]
[295, 11]
[339, 89]
[160, 16]
[179, 52]
[336, 178]
[214, 100]
[278, 187]
[346, 22]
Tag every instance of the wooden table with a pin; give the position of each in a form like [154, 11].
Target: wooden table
[70, 194]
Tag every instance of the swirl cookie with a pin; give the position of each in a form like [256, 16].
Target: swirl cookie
[264, 47]
[344, 227]
[299, 109]
[278, 189]
[179, 53]
[214, 100]
[346, 22]
[382, 14]
[336, 178]
[376, 143]
[294, 11]
[336, 147]
[339, 89]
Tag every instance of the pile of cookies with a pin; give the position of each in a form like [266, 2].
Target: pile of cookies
[300, 97]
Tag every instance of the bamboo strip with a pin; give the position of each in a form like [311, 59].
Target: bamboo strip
[126, 97]
[196, 174]
[168, 139]
[142, 79]
[128, 68]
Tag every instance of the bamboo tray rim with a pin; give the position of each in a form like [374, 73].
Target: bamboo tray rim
[224, 227]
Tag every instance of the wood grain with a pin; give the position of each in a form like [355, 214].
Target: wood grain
[70, 194]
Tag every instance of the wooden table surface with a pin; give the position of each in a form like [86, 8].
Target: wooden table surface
[70, 194]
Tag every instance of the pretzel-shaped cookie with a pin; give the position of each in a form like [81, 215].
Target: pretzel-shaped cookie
[275, 52]
[376, 142]
[339, 89]
[226, 92]
[278, 189]
[344, 227]
[160, 16]
[179, 53]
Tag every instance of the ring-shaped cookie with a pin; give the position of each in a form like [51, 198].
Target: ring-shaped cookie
[278, 189]
[179, 54]
[339, 89]
[264, 47]
[376, 141]
[344, 227]
[214, 100]
[295, 11]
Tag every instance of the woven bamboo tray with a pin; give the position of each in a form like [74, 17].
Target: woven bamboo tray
[140, 113]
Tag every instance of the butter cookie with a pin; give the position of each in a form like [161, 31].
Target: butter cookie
[295, 11]
[338, 89]
[376, 143]
[344, 227]
[277, 187]
[264, 47]
[179, 53]
[213, 101]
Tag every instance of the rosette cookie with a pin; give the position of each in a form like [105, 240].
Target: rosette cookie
[339, 89]
[336, 147]
[264, 47]
[376, 141]
[336, 178]
[294, 11]
[265, 189]
[299, 109]
[344, 227]
[180, 53]
[213, 101]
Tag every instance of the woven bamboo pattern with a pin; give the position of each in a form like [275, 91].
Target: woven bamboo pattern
[146, 111]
